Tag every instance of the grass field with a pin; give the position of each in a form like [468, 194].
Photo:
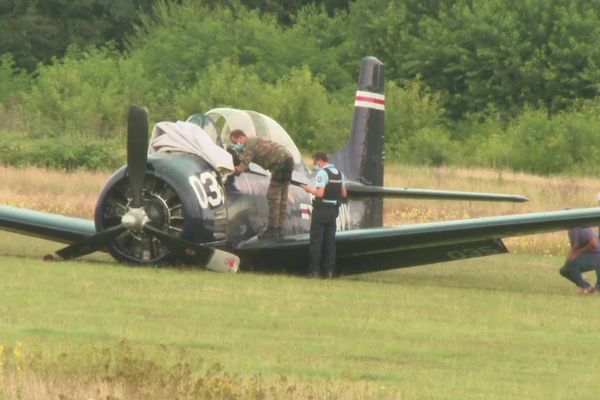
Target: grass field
[502, 327]
[505, 327]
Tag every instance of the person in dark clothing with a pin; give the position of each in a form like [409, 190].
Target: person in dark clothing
[329, 191]
[584, 256]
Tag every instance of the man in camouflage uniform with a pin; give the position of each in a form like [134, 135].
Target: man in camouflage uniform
[275, 158]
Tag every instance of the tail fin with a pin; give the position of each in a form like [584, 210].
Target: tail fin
[363, 157]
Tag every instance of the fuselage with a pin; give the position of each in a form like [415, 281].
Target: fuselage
[248, 210]
[186, 197]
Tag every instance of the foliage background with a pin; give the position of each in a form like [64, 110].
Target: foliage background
[488, 83]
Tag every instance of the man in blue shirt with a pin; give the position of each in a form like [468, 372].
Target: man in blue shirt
[329, 190]
[584, 256]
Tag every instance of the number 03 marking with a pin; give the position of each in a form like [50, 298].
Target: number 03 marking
[207, 189]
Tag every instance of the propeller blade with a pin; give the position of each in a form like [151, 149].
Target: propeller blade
[196, 254]
[137, 151]
[89, 245]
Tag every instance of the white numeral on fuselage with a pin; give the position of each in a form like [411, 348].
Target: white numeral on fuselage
[207, 189]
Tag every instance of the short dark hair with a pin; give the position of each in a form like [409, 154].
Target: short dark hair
[237, 133]
[320, 155]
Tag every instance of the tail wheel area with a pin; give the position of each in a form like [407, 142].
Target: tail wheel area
[164, 208]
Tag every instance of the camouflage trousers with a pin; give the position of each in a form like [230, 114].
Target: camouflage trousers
[277, 196]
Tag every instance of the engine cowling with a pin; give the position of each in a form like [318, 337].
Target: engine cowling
[182, 195]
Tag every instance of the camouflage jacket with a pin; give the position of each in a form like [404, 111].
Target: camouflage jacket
[264, 152]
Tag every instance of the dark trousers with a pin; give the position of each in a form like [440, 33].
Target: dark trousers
[322, 239]
[573, 269]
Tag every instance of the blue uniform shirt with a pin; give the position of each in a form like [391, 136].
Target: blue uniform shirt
[321, 179]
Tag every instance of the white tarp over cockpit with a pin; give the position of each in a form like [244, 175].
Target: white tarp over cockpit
[188, 137]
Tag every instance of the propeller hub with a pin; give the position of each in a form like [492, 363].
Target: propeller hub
[135, 219]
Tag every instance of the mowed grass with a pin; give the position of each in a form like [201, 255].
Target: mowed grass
[498, 327]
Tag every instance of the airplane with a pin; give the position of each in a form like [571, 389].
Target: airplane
[176, 202]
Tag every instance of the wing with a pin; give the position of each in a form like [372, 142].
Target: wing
[378, 249]
[53, 227]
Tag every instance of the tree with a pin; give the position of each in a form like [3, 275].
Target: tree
[508, 55]
[34, 31]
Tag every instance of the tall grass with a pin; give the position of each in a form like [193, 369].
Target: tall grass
[127, 371]
[544, 193]
[73, 194]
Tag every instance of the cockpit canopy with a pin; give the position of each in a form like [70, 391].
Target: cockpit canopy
[219, 122]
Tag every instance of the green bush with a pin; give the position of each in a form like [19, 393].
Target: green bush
[83, 93]
[429, 146]
[491, 151]
[300, 103]
[538, 142]
[535, 143]
[223, 84]
[179, 41]
[13, 81]
[66, 152]
[481, 140]
[80, 153]
[410, 110]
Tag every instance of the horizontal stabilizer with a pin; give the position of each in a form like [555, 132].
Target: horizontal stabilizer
[357, 190]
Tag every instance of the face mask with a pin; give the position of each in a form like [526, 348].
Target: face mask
[239, 146]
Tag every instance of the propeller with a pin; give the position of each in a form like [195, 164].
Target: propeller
[136, 219]
[137, 151]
